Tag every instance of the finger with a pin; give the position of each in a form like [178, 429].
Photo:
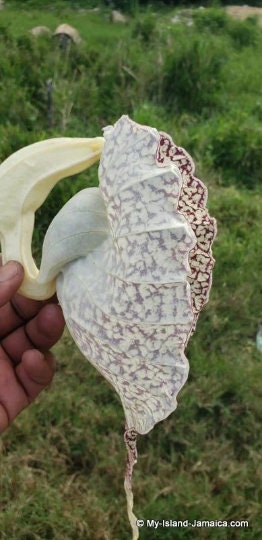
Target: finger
[19, 310]
[41, 332]
[4, 420]
[35, 372]
[18, 388]
[11, 277]
[12, 395]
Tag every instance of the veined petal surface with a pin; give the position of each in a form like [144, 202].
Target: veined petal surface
[129, 283]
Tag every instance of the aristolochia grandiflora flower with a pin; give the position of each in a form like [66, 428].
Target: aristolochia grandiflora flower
[130, 260]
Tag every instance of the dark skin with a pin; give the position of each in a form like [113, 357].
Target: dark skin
[28, 329]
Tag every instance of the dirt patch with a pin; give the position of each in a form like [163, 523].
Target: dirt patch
[242, 12]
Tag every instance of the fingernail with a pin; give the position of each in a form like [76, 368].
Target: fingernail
[8, 271]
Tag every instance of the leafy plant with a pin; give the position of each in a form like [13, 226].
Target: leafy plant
[235, 145]
[192, 73]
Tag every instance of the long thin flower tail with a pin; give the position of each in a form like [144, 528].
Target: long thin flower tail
[130, 437]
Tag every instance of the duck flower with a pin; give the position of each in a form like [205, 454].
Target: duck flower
[132, 264]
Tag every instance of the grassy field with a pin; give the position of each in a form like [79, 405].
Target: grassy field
[62, 461]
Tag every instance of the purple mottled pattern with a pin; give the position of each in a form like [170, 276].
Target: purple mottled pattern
[130, 303]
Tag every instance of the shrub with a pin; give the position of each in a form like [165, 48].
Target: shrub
[213, 20]
[145, 27]
[235, 147]
[192, 73]
[13, 137]
[242, 33]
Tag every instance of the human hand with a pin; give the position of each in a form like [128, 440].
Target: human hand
[28, 329]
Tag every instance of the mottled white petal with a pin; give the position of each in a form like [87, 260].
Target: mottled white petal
[134, 262]
[124, 286]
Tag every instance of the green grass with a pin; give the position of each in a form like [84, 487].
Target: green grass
[62, 461]
[92, 27]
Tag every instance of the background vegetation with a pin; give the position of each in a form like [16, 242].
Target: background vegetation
[62, 461]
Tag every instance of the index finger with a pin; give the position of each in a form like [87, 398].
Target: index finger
[15, 308]
[11, 277]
